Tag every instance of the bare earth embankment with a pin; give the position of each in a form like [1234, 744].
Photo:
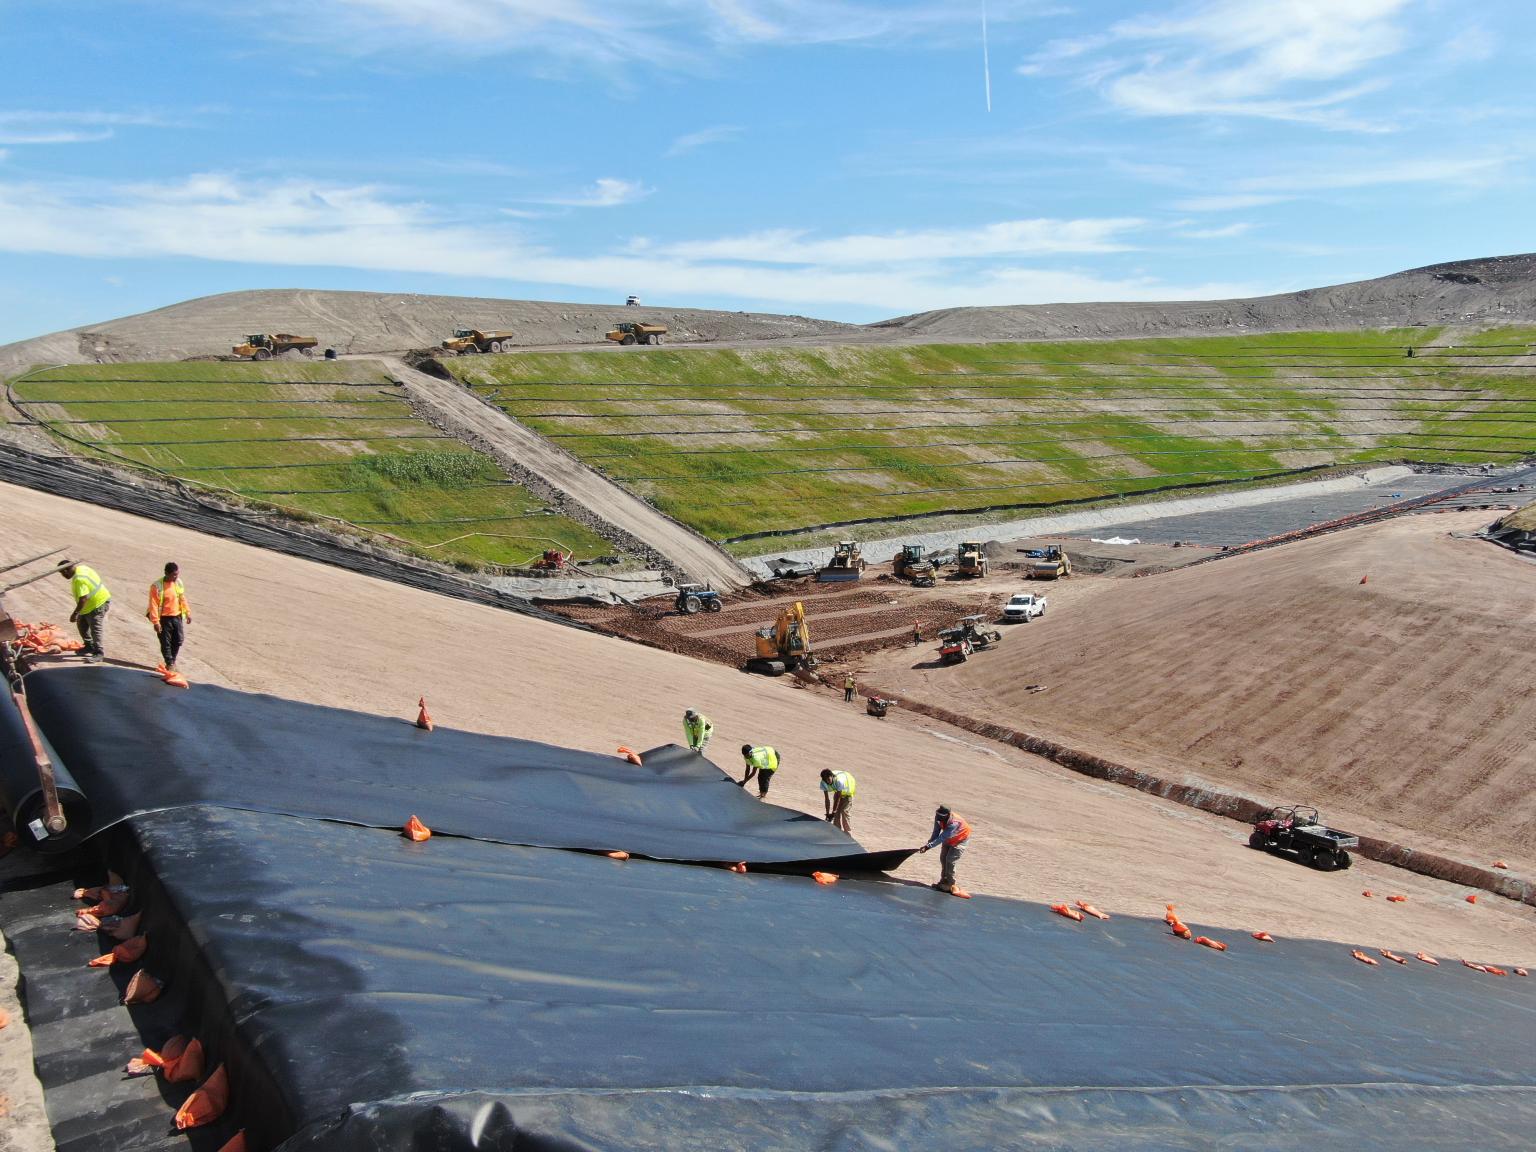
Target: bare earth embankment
[1401, 705]
[1042, 833]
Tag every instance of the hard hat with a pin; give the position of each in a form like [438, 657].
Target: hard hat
[690, 714]
[943, 810]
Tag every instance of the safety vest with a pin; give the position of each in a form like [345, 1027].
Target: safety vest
[167, 599]
[764, 759]
[697, 727]
[957, 831]
[88, 584]
[841, 782]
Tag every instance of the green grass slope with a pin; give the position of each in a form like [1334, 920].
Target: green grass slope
[745, 442]
[322, 439]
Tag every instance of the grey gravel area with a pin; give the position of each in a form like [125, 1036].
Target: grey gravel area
[1239, 525]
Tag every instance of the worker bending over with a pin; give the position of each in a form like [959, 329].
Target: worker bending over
[837, 789]
[698, 729]
[92, 600]
[170, 613]
[762, 762]
[951, 831]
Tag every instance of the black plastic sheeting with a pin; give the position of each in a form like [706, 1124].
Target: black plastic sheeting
[459, 994]
[21, 788]
[136, 745]
[371, 994]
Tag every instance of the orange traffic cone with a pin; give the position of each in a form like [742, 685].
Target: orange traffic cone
[630, 754]
[424, 718]
[416, 830]
[206, 1104]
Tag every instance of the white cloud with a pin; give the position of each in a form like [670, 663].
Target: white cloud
[8, 137]
[665, 33]
[1226, 232]
[89, 117]
[299, 223]
[606, 192]
[1007, 238]
[1275, 59]
[1226, 203]
[694, 140]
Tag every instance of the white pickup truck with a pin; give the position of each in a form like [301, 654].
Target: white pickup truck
[1025, 606]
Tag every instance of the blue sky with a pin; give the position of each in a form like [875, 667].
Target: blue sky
[830, 157]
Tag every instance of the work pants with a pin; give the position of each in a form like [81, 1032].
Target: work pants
[173, 634]
[847, 692]
[93, 629]
[949, 856]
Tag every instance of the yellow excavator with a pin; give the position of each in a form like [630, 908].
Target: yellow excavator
[784, 645]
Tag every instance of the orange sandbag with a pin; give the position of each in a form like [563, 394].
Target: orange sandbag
[630, 754]
[1091, 910]
[423, 717]
[819, 877]
[960, 892]
[122, 927]
[1264, 936]
[1367, 892]
[1397, 899]
[1393, 956]
[618, 855]
[142, 989]
[1209, 943]
[1363, 958]
[235, 1143]
[176, 680]
[206, 1104]
[1474, 967]
[5, 1017]
[110, 904]
[1521, 972]
[416, 830]
[1069, 913]
[1471, 897]
[180, 1060]
[1427, 958]
[125, 953]
[740, 866]
[1500, 864]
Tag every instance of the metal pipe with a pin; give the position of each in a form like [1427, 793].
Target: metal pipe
[53, 812]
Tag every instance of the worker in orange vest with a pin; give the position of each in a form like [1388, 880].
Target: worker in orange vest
[951, 831]
[170, 613]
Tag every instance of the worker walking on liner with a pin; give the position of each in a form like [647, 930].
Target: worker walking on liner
[698, 730]
[837, 789]
[848, 687]
[92, 601]
[762, 762]
[170, 614]
[952, 832]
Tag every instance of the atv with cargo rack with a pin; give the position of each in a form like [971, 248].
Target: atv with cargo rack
[1295, 829]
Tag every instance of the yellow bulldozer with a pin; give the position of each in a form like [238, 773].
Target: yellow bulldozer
[784, 645]
[635, 333]
[972, 559]
[263, 346]
[468, 341]
[909, 564]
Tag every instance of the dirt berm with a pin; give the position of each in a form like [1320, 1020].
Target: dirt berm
[1386, 674]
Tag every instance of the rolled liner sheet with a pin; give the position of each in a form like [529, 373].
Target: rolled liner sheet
[21, 788]
[138, 747]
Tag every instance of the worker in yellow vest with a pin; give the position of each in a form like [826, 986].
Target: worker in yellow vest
[698, 730]
[952, 831]
[762, 762]
[91, 603]
[837, 789]
[170, 613]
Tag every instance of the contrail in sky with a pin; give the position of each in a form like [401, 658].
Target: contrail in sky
[986, 64]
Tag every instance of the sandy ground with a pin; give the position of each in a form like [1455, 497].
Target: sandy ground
[273, 624]
[492, 428]
[1401, 706]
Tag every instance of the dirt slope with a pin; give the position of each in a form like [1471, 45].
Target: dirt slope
[1041, 833]
[490, 428]
[1498, 290]
[1401, 706]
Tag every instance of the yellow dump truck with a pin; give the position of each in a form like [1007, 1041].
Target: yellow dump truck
[263, 346]
[630, 333]
[468, 341]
